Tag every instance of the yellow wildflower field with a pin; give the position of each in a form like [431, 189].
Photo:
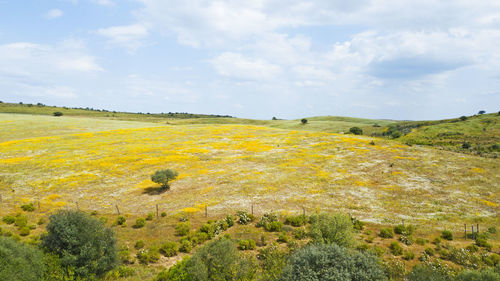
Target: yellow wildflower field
[230, 167]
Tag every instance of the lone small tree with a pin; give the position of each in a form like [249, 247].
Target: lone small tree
[163, 177]
[356, 130]
[481, 112]
[304, 121]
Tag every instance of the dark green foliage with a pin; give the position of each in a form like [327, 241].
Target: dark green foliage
[492, 260]
[475, 275]
[219, 260]
[246, 245]
[386, 233]
[20, 262]
[151, 255]
[481, 112]
[429, 251]
[150, 216]
[28, 207]
[332, 228]
[24, 231]
[466, 145]
[82, 242]
[430, 272]
[296, 220]
[121, 220]
[404, 229]
[421, 241]
[169, 249]
[408, 255]
[272, 260]
[182, 228]
[163, 177]
[9, 219]
[57, 113]
[463, 118]
[357, 224]
[163, 214]
[303, 121]
[243, 217]
[21, 221]
[396, 249]
[124, 255]
[282, 238]
[356, 130]
[139, 223]
[229, 220]
[300, 233]
[186, 246]
[446, 234]
[139, 244]
[177, 272]
[331, 262]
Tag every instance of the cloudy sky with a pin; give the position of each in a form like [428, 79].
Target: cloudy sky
[397, 59]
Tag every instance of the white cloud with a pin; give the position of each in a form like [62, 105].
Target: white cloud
[126, 36]
[53, 14]
[238, 66]
[108, 3]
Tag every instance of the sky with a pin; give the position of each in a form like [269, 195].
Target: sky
[386, 59]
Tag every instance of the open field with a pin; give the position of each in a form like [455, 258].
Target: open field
[227, 167]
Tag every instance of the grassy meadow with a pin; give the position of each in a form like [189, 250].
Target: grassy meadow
[279, 166]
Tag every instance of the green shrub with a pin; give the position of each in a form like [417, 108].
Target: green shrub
[303, 121]
[57, 113]
[396, 249]
[272, 261]
[282, 238]
[386, 233]
[430, 272]
[19, 261]
[246, 245]
[139, 223]
[436, 241]
[331, 262]
[408, 255]
[24, 231]
[169, 249]
[125, 271]
[149, 216]
[9, 219]
[447, 235]
[492, 260]
[186, 246]
[177, 272]
[476, 275]
[182, 228]
[229, 220]
[243, 217]
[421, 241]
[404, 229]
[300, 233]
[357, 224]
[429, 251]
[492, 230]
[163, 214]
[332, 228]
[356, 131]
[121, 220]
[139, 244]
[124, 255]
[41, 221]
[28, 207]
[274, 226]
[151, 255]
[296, 220]
[83, 243]
[407, 240]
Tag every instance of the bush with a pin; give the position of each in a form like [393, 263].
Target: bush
[57, 113]
[186, 246]
[139, 223]
[404, 230]
[163, 177]
[121, 220]
[447, 235]
[24, 231]
[299, 233]
[246, 245]
[41, 221]
[163, 214]
[421, 241]
[407, 240]
[19, 261]
[386, 233]
[466, 145]
[476, 275]
[274, 226]
[169, 249]
[356, 131]
[331, 262]
[82, 242]
[124, 255]
[139, 244]
[296, 220]
[182, 228]
[429, 251]
[430, 272]
[28, 207]
[272, 261]
[243, 217]
[463, 118]
[21, 221]
[9, 219]
[282, 238]
[303, 121]
[408, 255]
[150, 216]
[332, 228]
[151, 255]
[396, 249]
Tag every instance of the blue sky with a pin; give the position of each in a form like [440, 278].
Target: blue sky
[257, 59]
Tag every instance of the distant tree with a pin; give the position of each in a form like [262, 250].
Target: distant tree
[274, 118]
[356, 130]
[463, 118]
[57, 113]
[82, 242]
[331, 263]
[19, 261]
[304, 121]
[481, 112]
[163, 177]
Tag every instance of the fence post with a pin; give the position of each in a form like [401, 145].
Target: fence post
[206, 211]
[252, 208]
[465, 231]
[157, 216]
[118, 210]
